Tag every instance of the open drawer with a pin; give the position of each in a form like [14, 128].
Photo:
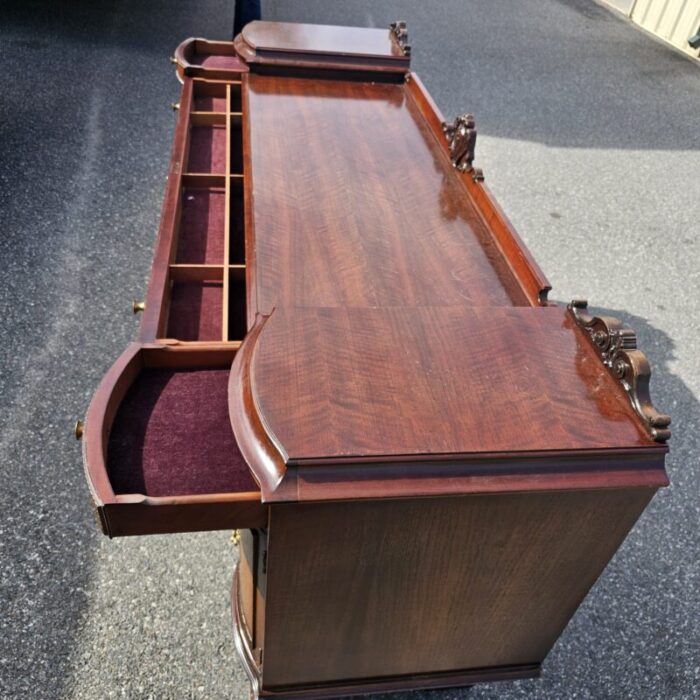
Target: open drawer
[159, 452]
[200, 58]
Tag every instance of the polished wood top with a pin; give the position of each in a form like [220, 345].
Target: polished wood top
[354, 203]
[359, 384]
[320, 39]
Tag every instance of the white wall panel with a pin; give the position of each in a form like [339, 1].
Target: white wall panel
[673, 20]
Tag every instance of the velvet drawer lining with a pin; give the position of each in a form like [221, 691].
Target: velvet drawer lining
[172, 437]
[196, 310]
[202, 222]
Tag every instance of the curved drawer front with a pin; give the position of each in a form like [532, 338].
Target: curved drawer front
[160, 455]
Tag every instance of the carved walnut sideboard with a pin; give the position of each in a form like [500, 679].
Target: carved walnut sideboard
[347, 354]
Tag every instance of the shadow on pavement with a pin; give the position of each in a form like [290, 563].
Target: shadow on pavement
[80, 198]
[559, 72]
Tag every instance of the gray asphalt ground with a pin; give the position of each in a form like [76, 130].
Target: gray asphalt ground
[589, 136]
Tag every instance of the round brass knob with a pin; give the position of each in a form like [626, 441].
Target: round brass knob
[174, 106]
[137, 306]
[173, 60]
[79, 429]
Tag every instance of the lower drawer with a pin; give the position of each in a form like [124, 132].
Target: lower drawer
[159, 452]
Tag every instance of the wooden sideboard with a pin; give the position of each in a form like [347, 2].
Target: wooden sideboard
[347, 354]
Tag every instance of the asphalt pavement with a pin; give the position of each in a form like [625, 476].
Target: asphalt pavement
[589, 136]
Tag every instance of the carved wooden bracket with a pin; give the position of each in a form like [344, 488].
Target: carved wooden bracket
[400, 33]
[617, 346]
[461, 140]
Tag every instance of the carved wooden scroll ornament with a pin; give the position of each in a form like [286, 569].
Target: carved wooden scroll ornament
[461, 140]
[617, 346]
[400, 34]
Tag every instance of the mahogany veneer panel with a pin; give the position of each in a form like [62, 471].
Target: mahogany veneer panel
[171, 437]
[363, 383]
[287, 37]
[355, 203]
[196, 310]
[401, 587]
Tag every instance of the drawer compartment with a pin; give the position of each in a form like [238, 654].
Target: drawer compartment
[210, 96]
[202, 226]
[160, 454]
[212, 60]
[196, 310]
[207, 152]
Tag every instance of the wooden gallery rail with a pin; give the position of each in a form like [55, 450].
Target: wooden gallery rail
[348, 355]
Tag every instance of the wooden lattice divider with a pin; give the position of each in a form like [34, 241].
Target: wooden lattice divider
[227, 218]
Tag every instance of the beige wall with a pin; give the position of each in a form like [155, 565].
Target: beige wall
[674, 21]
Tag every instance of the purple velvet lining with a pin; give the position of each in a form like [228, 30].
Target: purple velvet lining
[207, 149]
[196, 309]
[201, 238]
[216, 61]
[208, 103]
[172, 437]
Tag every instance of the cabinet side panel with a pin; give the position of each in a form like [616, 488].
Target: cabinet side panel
[260, 590]
[246, 580]
[386, 588]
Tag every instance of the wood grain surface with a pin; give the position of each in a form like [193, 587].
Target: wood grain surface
[355, 203]
[384, 588]
[321, 39]
[366, 383]
[322, 51]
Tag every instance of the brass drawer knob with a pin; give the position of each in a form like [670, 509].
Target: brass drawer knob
[137, 306]
[79, 429]
[174, 106]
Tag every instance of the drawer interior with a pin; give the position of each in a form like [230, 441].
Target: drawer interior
[209, 103]
[160, 454]
[196, 310]
[210, 96]
[215, 61]
[209, 60]
[204, 298]
[172, 436]
[212, 59]
[201, 237]
[237, 321]
[207, 152]
[237, 223]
